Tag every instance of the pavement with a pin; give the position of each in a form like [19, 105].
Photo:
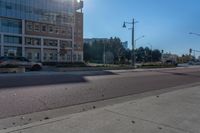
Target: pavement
[36, 92]
[175, 111]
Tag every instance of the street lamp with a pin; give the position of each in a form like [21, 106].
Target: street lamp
[133, 40]
[104, 54]
[151, 52]
[139, 38]
[151, 47]
[197, 34]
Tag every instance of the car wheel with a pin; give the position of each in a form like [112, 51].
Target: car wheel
[36, 68]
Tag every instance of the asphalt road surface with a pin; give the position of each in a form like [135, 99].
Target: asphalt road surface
[33, 92]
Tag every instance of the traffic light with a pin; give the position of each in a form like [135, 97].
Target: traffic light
[190, 51]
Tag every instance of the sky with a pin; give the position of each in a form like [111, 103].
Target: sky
[165, 23]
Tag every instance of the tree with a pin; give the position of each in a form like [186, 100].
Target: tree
[117, 53]
[146, 55]
[128, 54]
[156, 55]
[87, 56]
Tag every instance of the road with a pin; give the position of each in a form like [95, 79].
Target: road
[40, 91]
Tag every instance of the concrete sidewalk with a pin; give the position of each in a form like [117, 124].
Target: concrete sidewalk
[172, 112]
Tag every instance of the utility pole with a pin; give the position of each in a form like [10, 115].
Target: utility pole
[133, 43]
[133, 59]
[104, 54]
[151, 53]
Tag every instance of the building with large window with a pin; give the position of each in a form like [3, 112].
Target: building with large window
[42, 30]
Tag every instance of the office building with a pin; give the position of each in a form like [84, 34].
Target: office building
[42, 30]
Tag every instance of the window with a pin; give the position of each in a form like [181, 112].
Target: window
[12, 51]
[44, 28]
[79, 57]
[52, 43]
[37, 27]
[28, 41]
[75, 46]
[51, 56]
[63, 32]
[74, 57]
[50, 27]
[12, 39]
[29, 26]
[10, 26]
[37, 56]
[45, 56]
[29, 56]
[69, 57]
[57, 30]
[32, 41]
[8, 7]
[66, 44]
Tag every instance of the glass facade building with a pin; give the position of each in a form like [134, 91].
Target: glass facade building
[50, 11]
[41, 29]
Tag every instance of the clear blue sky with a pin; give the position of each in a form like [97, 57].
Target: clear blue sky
[165, 23]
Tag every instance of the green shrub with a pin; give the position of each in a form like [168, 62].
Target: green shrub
[64, 64]
[157, 65]
[78, 64]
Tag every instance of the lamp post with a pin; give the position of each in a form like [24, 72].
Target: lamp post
[104, 54]
[139, 38]
[151, 48]
[191, 50]
[133, 40]
[151, 52]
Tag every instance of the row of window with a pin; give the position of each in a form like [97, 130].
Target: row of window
[12, 51]
[12, 39]
[47, 42]
[38, 10]
[47, 29]
[36, 41]
[15, 26]
[52, 43]
[35, 54]
[10, 26]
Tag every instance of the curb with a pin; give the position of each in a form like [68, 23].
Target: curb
[12, 70]
[61, 118]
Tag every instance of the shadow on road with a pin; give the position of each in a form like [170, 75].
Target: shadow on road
[181, 73]
[46, 79]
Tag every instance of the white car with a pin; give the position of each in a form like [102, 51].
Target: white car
[20, 61]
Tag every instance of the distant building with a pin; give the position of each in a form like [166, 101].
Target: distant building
[167, 57]
[92, 40]
[42, 30]
[125, 44]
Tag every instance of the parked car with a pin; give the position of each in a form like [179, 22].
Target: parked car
[20, 61]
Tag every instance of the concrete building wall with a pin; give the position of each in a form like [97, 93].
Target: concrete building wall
[78, 47]
[41, 38]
